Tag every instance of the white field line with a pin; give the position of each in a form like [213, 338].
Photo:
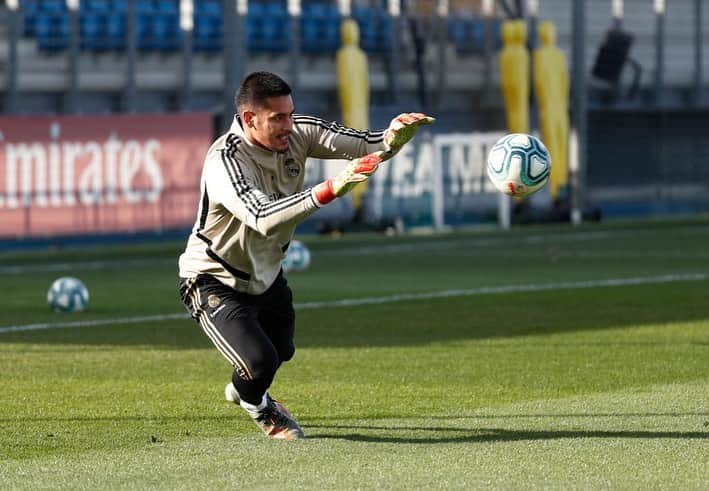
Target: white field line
[84, 265]
[353, 302]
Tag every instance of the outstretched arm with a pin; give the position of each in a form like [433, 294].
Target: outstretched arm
[330, 140]
[230, 185]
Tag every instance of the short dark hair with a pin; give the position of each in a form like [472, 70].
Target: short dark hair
[259, 86]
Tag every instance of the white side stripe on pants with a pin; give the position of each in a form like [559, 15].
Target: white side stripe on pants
[224, 347]
[215, 336]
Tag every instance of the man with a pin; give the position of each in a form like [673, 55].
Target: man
[252, 198]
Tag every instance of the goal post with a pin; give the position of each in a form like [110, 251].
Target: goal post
[459, 171]
[436, 182]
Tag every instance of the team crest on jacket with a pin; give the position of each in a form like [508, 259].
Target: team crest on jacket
[292, 167]
[213, 301]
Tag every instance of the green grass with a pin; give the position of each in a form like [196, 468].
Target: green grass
[585, 387]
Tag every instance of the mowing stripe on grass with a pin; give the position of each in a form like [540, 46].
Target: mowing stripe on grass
[441, 244]
[403, 297]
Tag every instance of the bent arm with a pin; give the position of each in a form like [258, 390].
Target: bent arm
[229, 184]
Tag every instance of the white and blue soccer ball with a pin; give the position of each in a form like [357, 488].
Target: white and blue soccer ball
[297, 257]
[518, 165]
[68, 294]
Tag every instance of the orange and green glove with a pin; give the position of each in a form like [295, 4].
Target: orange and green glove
[357, 171]
[402, 129]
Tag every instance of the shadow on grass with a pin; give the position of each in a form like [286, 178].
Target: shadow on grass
[318, 422]
[431, 435]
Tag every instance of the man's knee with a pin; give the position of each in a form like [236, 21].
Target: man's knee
[263, 367]
[287, 351]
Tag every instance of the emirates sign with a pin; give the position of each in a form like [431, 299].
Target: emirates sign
[100, 174]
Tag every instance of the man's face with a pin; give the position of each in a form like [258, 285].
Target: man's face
[270, 125]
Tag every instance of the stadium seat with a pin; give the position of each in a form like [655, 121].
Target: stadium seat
[116, 31]
[92, 31]
[468, 35]
[166, 31]
[375, 29]
[157, 25]
[29, 9]
[144, 39]
[320, 28]
[268, 27]
[52, 6]
[95, 6]
[207, 34]
[119, 6]
[167, 7]
[52, 31]
[208, 7]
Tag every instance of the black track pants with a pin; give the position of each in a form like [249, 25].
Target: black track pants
[253, 332]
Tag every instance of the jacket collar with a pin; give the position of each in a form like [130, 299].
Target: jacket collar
[238, 129]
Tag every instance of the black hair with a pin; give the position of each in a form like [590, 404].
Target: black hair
[259, 86]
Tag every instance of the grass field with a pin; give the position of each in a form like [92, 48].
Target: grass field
[554, 357]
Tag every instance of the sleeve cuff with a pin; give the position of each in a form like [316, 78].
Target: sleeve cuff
[323, 193]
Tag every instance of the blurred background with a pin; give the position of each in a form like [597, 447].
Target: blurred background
[108, 106]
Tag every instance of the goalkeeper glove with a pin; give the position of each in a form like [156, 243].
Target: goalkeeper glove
[358, 170]
[403, 128]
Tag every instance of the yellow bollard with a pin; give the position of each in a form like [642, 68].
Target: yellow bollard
[514, 75]
[551, 85]
[353, 88]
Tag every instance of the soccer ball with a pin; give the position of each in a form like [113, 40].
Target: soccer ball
[297, 258]
[68, 295]
[518, 164]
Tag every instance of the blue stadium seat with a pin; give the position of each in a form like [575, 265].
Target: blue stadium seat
[52, 6]
[116, 31]
[167, 7]
[144, 6]
[208, 7]
[207, 34]
[52, 31]
[468, 35]
[95, 6]
[375, 29]
[166, 31]
[157, 25]
[320, 28]
[144, 39]
[29, 9]
[268, 27]
[92, 31]
[119, 6]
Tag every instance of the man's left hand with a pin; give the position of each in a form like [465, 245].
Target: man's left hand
[403, 128]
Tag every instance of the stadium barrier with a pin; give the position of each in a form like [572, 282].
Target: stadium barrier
[82, 175]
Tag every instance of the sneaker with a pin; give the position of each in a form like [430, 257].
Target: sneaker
[277, 422]
[230, 394]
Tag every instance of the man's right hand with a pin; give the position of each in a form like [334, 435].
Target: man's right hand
[358, 170]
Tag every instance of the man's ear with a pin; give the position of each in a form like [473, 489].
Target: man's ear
[248, 118]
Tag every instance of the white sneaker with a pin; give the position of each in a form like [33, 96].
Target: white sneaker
[276, 422]
[230, 394]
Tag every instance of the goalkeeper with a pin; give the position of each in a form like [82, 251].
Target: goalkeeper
[252, 198]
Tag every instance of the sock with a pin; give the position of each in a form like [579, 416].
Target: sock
[252, 409]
